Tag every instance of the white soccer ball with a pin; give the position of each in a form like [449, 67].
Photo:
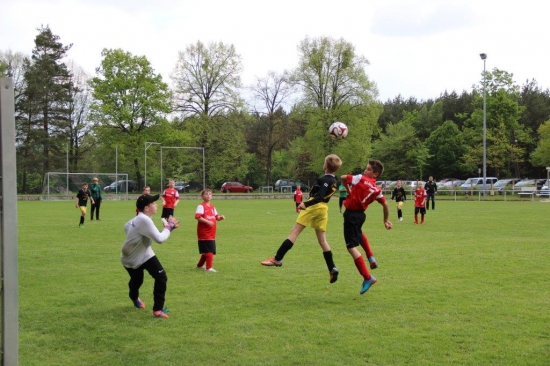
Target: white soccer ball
[338, 130]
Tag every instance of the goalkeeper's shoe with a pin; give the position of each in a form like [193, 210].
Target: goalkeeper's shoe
[367, 284]
[272, 262]
[139, 304]
[372, 261]
[161, 313]
[334, 275]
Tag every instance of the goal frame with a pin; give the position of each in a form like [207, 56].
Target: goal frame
[65, 193]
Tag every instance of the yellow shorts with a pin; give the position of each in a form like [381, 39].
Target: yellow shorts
[83, 209]
[316, 216]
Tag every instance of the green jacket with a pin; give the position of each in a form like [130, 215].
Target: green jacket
[97, 195]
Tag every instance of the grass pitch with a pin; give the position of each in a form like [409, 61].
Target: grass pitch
[470, 287]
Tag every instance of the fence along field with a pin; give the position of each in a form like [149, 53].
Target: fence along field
[468, 287]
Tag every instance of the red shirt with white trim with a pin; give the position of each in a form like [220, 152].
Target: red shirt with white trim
[364, 191]
[208, 212]
[170, 196]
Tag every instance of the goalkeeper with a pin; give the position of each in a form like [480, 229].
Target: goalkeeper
[138, 256]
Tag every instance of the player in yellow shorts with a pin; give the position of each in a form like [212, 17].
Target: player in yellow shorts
[314, 212]
[82, 200]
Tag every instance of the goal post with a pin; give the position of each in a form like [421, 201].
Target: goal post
[62, 185]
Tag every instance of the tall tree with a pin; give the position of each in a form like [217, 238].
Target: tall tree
[129, 98]
[445, 147]
[331, 74]
[207, 79]
[44, 106]
[268, 132]
[541, 155]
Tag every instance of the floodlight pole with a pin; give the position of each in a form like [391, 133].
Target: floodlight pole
[484, 58]
[147, 145]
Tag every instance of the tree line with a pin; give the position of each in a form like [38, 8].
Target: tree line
[274, 128]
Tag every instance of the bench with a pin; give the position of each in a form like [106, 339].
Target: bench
[527, 191]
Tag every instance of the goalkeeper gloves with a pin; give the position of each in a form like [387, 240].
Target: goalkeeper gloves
[170, 224]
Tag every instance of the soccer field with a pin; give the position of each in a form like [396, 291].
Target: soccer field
[470, 287]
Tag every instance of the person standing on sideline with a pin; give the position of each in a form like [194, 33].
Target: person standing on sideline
[314, 212]
[298, 197]
[97, 195]
[364, 192]
[137, 255]
[82, 201]
[207, 217]
[419, 203]
[146, 190]
[431, 190]
[170, 199]
[400, 197]
[343, 194]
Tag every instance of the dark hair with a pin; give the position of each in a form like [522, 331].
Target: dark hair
[377, 166]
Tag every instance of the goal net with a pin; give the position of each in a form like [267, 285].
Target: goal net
[64, 186]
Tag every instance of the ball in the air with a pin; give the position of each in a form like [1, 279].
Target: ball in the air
[338, 130]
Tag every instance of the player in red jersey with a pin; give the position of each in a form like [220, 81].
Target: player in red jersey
[364, 192]
[419, 203]
[170, 199]
[207, 217]
[298, 197]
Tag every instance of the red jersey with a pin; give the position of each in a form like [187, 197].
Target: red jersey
[420, 197]
[363, 193]
[208, 212]
[170, 196]
[298, 196]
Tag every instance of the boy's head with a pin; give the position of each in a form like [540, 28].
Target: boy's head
[171, 183]
[147, 201]
[374, 169]
[419, 184]
[332, 163]
[146, 190]
[298, 188]
[95, 180]
[398, 183]
[206, 194]
[84, 185]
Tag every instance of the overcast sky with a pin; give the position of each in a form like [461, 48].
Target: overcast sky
[415, 48]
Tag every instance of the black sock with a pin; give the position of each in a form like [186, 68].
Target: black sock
[399, 214]
[285, 247]
[328, 260]
[82, 220]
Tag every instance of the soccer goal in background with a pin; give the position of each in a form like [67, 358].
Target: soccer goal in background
[64, 186]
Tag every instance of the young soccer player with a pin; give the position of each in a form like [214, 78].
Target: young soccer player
[400, 196]
[419, 203]
[364, 192]
[170, 199]
[81, 202]
[207, 217]
[298, 197]
[314, 212]
[137, 255]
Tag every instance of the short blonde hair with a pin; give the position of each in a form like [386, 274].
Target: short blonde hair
[333, 163]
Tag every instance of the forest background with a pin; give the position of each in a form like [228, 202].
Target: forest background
[274, 128]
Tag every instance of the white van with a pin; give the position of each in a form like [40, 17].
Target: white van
[478, 182]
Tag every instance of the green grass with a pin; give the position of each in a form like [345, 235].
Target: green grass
[471, 287]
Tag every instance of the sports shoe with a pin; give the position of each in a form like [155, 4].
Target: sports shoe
[203, 267]
[373, 264]
[334, 275]
[210, 270]
[367, 284]
[139, 304]
[400, 219]
[160, 314]
[272, 262]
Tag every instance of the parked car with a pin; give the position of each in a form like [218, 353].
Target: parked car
[505, 184]
[120, 186]
[448, 183]
[181, 187]
[478, 183]
[411, 185]
[539, 183]
[282, 186]
[545, 191]
[236, 187]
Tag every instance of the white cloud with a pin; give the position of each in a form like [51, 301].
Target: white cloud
[416, 48]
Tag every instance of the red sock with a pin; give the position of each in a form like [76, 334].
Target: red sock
[209, 260]
[416, 219]
[422, 218]
[202, 260]
[362, 268]
[365, 244]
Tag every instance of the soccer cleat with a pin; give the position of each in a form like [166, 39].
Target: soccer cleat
[367, 284]
[334, 275]
[372, 261]
[210, 270]
[203, 267]
[160, 314]
[400, 219]
[272, 262]
[139, 304]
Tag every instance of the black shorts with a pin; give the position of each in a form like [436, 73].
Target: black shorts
[167, 212]
[353, 224]
[207, 246]
[421, 210]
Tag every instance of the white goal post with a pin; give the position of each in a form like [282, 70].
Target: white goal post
[63, 186]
